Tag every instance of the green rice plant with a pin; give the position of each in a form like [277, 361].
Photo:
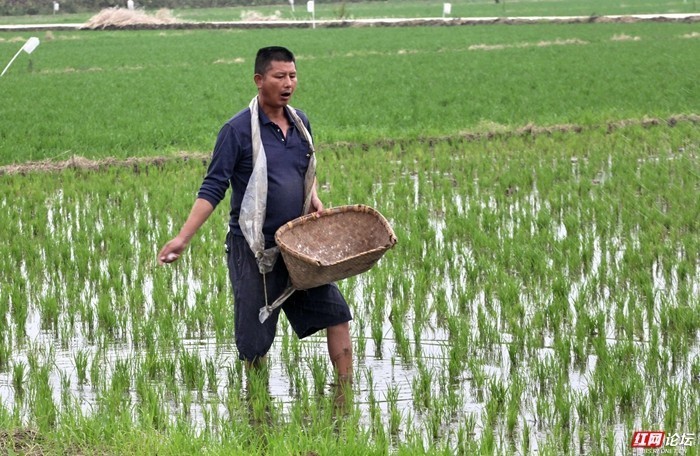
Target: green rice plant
[630, 392]
[96, 379]
[421, 388]
[66, 396]
[220, 318]
[392, 397]
[150, 365]
[467, 430]
[19, 376]
[544, 412]
[319, 372]
[675, 395]
[487, 444]
[434, 421]
[49, 311]
[121, 376]
[497, 400]
[563, 406]
[403, 346]
[212, 378]
[562, 348]
[377, 334]
[192, 372]
[5, 354]
[185, 406]
[80, 361]
[19, 312]
[360, 340]
[478, 377]
[259, 400]
[515, 390]
[374, 411]
[455, 365]
[151, 408]
[525, 440]
[148, 331]
[44, 413]
[106, 316]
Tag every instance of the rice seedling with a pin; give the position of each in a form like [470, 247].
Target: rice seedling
[497, 399]
[121, 376]
[19, 375]
[192, 371]
[80, 361]
[422, 388]
[44, 411]
[212, 376]
[319, 372]
[392, 396]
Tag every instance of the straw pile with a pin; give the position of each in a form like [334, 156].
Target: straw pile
[118, 17]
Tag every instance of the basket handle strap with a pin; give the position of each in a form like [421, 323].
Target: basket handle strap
[267, 310]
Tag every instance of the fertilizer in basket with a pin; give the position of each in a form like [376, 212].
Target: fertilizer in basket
[332, 245]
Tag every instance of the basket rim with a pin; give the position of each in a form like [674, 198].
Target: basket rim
[328, 212]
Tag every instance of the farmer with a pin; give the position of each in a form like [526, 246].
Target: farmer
[287, 147]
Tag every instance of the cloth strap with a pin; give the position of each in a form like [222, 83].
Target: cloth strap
[254, 204]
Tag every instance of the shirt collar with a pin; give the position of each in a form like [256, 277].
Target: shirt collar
[264, 120]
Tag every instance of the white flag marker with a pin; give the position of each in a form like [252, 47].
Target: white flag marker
[310, 7]
[28, 47]
[446, 9]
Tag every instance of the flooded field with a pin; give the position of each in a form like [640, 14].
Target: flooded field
[544, 296]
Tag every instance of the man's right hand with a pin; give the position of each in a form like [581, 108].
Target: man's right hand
[172, 250]
[201, 210]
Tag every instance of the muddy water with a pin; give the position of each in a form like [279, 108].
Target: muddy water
[394, 365]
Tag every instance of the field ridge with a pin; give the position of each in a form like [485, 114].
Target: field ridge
[354, 23]
[79, 162]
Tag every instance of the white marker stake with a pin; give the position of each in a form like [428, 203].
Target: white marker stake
[310, 8]
[28, 47]
[446, 9]
[291, 2]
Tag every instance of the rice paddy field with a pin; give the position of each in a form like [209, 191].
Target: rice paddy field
[544, 296]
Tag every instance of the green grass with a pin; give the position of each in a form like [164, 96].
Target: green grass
[100, 94]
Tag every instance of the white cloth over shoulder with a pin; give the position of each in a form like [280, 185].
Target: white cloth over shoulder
[254, 204]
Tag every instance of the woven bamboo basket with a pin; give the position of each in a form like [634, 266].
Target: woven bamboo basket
[338, 243]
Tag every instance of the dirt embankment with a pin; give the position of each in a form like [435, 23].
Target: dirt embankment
[432, 22]
[140, 163]
[123, 19]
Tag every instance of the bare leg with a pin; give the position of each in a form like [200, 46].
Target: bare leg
[340, 351]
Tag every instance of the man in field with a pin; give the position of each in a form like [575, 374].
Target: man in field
[271, 129]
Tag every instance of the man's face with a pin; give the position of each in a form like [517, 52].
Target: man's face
[277, 85]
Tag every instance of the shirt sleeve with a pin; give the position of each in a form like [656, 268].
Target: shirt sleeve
[216, 182]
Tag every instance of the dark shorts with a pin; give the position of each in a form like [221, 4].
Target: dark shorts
[308, 311]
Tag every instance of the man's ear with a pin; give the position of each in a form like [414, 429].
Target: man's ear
[258, 78]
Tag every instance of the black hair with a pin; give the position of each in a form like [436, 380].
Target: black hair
[269, 54]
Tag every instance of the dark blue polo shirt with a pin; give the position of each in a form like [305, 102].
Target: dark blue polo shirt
[232, 164]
